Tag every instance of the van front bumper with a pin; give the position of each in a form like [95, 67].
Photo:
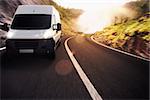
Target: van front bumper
[35, 44]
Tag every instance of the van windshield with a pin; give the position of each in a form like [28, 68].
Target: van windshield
[31, 21]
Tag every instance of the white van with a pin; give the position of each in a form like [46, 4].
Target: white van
[34, 28]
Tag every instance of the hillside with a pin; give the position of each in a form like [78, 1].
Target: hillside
[132, 36]
[129, 34]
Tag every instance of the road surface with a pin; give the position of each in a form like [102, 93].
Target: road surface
[114, 75]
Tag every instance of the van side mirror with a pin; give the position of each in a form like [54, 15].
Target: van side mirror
[3, 38]
[56, 27]
[5, 27]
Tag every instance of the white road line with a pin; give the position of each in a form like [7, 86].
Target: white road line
[119, 50]
[3, 48]
[92, 91]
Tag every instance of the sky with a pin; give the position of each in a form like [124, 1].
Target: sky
[85, 4]
[97, 13]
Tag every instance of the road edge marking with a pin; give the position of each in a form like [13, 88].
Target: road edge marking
[89, 86]
[3, 48]
[129, 54]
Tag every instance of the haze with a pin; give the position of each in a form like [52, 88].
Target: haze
[97, 13]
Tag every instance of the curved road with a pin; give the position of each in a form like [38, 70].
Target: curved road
[114, 75]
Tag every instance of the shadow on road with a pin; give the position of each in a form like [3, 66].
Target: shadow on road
[26, 62]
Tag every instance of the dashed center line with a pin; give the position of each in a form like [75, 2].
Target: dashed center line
[89, 86]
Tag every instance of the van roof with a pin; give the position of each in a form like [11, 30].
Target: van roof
[35, 9]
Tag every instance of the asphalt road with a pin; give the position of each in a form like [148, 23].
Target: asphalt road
[114, 75]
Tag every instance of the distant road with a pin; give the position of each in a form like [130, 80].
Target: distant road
[114, 75]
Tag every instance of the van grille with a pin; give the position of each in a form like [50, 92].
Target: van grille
[26, 44]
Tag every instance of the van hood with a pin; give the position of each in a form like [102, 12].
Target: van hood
[30, 34]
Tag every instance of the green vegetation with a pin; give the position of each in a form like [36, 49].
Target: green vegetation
[118, 34]
[128, 35]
